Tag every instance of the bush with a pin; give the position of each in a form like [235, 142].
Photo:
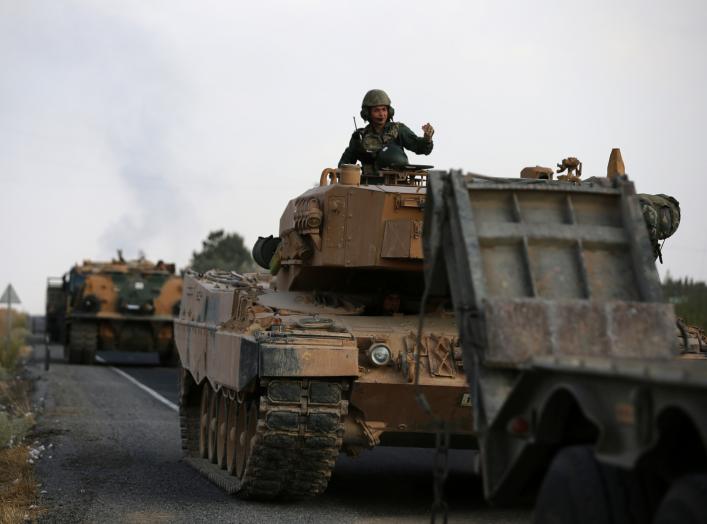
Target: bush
[10, 347]
[689, 298]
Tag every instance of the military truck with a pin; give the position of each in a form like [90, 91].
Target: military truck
[55, 310]
[120, 306]
[281, 375]
[577, 393]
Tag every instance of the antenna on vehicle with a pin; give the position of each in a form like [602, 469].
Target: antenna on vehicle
[356, 127]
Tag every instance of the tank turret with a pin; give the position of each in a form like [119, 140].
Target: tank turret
[350, 237]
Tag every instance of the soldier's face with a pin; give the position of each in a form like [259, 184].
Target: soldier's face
[379, 115]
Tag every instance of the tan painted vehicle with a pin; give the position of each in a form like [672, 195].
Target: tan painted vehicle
[578, 394]
[282, 375]
[120, 305]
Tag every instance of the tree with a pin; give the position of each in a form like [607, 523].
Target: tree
[690, 299]
[222, 251]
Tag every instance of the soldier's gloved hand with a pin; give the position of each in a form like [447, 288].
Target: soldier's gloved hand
[428, 130]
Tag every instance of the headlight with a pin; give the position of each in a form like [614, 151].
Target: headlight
[379, 354]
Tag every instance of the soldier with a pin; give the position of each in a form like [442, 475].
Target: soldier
[382, 142]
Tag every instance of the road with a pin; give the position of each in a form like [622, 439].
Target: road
[115, 457]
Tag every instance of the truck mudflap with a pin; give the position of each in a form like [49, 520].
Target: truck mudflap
[561, 315]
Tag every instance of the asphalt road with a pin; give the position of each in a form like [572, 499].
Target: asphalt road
[115, 457]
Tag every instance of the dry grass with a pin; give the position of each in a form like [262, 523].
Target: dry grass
[15, 395]
[10, 348]
[18, 488]
[16, 417]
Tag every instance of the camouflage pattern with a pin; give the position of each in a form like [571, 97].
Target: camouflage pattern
[120, 306]
[379, 151]
[376, 97]
[662, 216]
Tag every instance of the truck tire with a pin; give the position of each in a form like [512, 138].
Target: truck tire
[82, 343]
[578, 489]
[170, 358]
[72, 349]
[685, 502]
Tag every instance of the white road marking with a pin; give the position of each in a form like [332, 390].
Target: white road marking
[142, 386]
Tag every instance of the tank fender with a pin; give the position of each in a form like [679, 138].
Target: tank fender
[291, 361]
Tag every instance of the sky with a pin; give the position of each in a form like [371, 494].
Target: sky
[143, 125]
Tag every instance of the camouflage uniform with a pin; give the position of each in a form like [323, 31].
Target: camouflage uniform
[385, 149]
[662, 216]
[376, 151]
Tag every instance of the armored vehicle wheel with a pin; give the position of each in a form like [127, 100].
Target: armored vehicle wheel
[578, 489]
[221, 431]
[280, 442]
[214, 397]
[170, 358]
[685, 502]
[240, 430]
[231, 436]
[74, 353]
[83, 339]
[204, 420]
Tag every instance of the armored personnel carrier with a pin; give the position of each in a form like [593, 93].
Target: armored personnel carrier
[281, 374]
[120, 305]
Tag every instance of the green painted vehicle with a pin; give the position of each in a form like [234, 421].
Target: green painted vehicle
[125, 306]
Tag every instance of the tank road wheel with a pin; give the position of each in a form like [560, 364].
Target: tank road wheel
[231, 436]
[578, 489]
[280, 442]
[250, 428]
[189, 400]
[213, 425]
[204, 419]
[221, 431]
[241, 448]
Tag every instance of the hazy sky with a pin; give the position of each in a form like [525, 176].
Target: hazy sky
[143, 125]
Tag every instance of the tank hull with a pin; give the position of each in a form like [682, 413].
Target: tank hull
[236, 341]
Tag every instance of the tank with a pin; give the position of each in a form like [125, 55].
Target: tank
[120, 306]
[283, 373]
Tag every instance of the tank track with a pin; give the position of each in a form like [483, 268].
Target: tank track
[297, 439]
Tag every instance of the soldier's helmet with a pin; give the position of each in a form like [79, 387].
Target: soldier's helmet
[375, 97]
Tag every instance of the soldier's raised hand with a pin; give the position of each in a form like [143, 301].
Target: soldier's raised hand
[428, 130]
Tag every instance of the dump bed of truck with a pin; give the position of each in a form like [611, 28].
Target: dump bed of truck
[566, 338]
